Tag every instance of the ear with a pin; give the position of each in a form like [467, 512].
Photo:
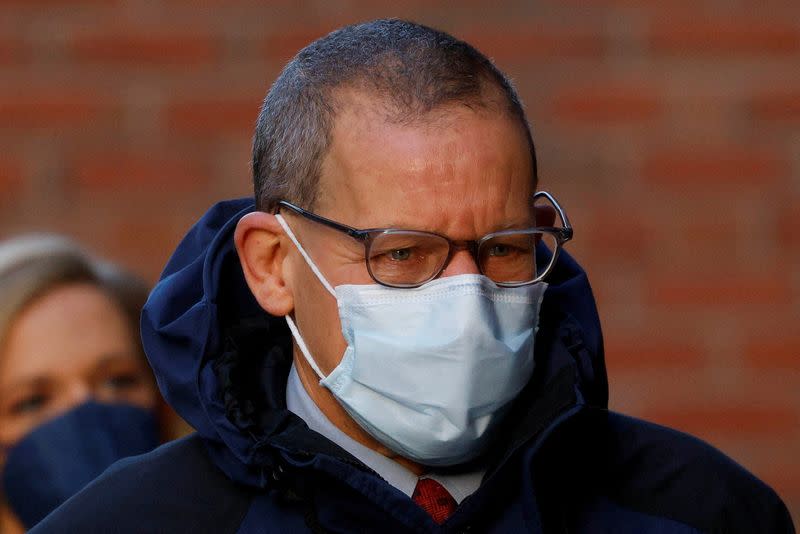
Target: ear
[545, 215]
[262, 252]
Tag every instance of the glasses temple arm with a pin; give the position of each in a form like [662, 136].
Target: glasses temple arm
[349, 230]
[566, 232]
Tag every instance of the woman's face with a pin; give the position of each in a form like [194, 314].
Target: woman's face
[71, 345]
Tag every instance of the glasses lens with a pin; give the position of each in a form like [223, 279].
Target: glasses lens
[404, 258]
[510, 258]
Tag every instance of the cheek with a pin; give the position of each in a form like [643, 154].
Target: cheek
[56, 401]
[127, 380]
[146, 398]
[317, 318]
[11, 431]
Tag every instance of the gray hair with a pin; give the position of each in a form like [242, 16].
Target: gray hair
[412, 69]
[33, 265]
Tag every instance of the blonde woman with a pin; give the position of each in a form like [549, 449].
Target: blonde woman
[76, 393]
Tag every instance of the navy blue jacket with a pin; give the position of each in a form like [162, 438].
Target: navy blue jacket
[561, 463]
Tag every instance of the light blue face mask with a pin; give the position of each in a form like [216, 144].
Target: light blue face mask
[430, 371]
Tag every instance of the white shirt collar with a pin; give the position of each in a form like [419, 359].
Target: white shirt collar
[300, 403]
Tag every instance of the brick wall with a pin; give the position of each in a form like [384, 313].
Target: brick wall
[670, 131]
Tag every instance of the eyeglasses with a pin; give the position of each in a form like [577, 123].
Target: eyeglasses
[410, 258]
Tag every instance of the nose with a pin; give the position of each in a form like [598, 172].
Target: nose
[462, 262]
[73, 394]
[78, 393]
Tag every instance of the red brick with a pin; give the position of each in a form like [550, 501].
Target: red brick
[692, 240]
[37, 4]
[723, 290]
[48, 108]
[133, 171]
[361, 4]
[222, 115]
[621, 3]
[769, 353]
[282, 46]
[648, 353]
[714, 167]
[615, 234]
[236, 3]
[126, 47]
[777, 106]
[594, 104]
[736, 419]
[725, 37]
[11, 52]
[788, 230]
[10, 177]
[532, 45]
[143, 243]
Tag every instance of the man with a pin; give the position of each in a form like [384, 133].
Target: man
[430, 360]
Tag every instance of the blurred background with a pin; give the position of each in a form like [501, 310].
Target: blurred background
[670, 131]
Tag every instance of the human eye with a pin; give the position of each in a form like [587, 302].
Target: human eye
[500, 249]
[400, 254]
[406, 257]
[29, 404]
[510, 250]
[397, 258]
[508, 257]
[397, 251]
[123, 381]
[120, 378]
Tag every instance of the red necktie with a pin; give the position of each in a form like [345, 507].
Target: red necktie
[434, 499]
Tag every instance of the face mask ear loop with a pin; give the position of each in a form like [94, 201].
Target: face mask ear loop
[308, 259]
[303, 348]
[301, 344]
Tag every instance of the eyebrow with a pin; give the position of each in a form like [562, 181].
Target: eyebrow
[42, 379]
[515, 225]
[25, 382]
[114, 357]
[349, 228]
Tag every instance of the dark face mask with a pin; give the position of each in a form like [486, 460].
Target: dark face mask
[58, 458]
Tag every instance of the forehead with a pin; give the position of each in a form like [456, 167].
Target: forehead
[68, 328]
[457, 170]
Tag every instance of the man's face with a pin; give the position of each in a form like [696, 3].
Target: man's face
[463, 174]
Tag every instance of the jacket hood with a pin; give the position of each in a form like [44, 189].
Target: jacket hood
[222, 362]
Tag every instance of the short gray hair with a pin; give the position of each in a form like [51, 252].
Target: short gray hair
[414, 69]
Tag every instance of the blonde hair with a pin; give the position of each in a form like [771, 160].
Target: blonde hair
[32, 265]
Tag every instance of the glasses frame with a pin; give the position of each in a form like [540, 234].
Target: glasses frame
[367, 236]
